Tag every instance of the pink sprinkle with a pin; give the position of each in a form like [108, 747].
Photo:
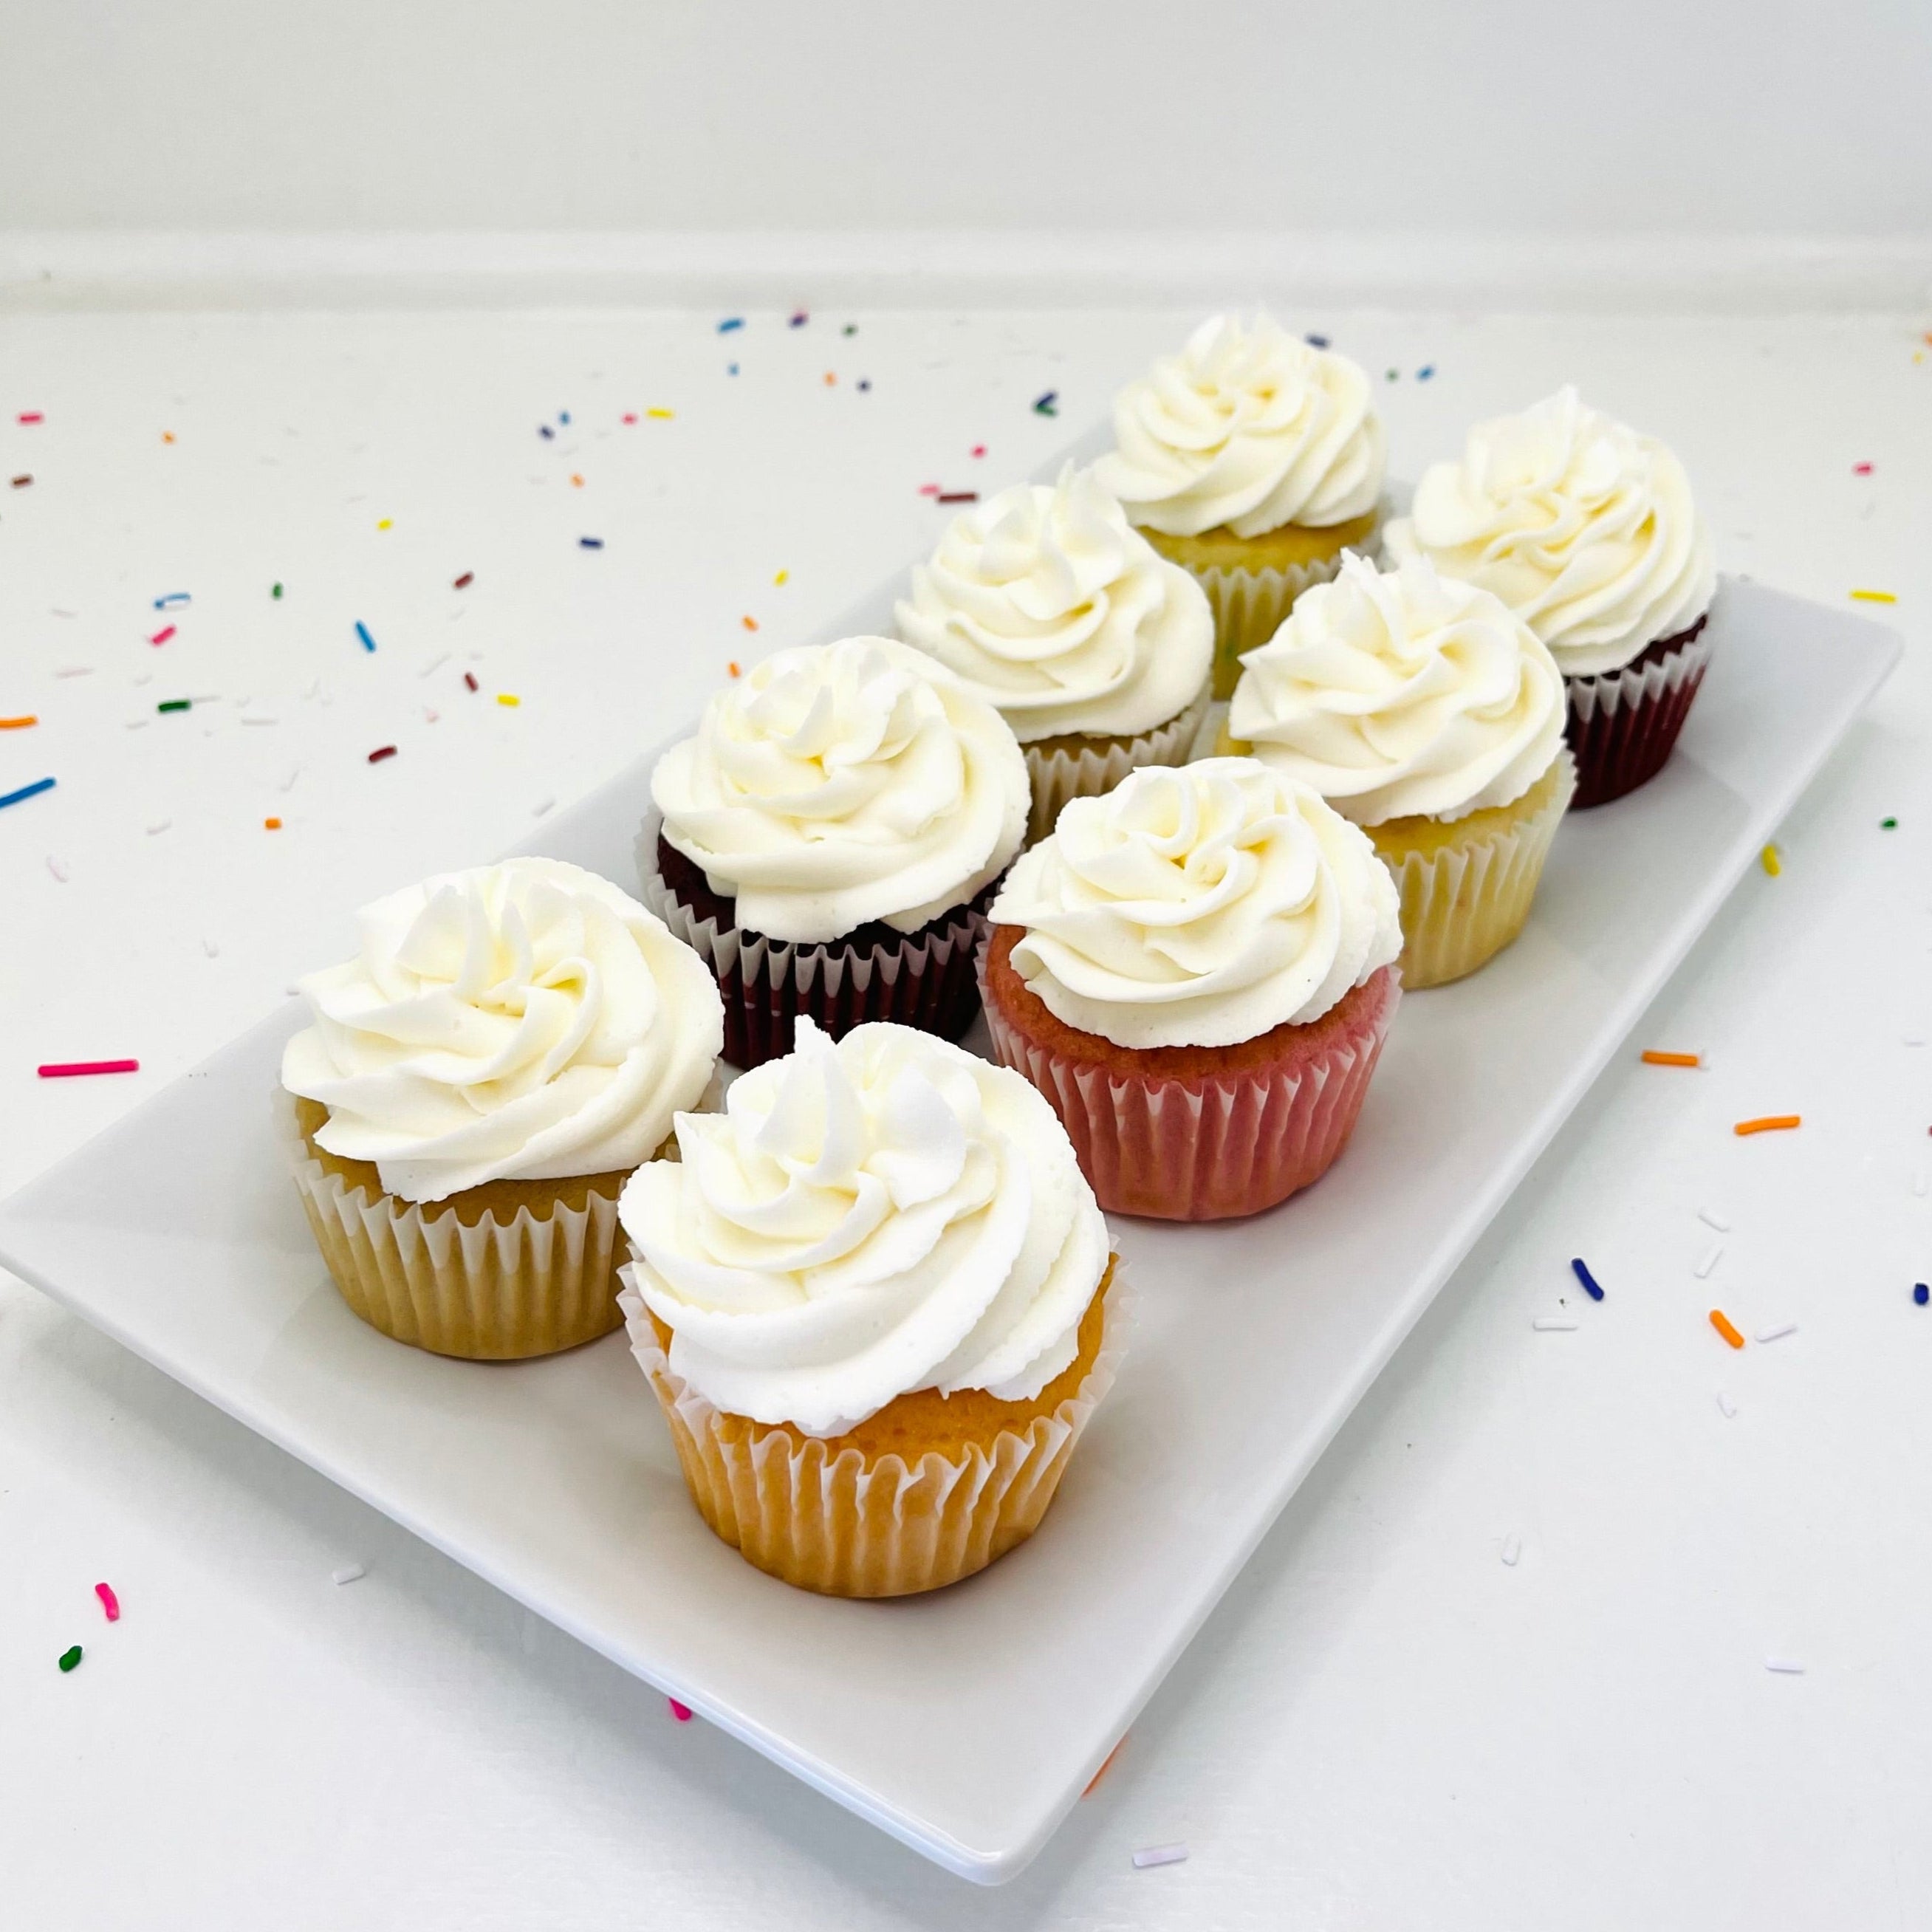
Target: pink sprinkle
[630, 416]
[682, 1712]
[110, 1602]
[73, 1069]
[928, 489]
[1861, 470]
[31, 416]
[978, 449]
[161, 637]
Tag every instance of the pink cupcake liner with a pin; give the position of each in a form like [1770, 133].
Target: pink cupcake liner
[1622, 723]
[1212, 1148]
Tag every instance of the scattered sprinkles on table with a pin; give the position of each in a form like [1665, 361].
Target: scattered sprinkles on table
[1770, 861]
[110, 1602]
[1726, 1327]
[1874, 597]
[1652, 1058]
[69, 1658]
[362, 632]
[26, 792]
[1589, 1281]
[1769, 1123]
[77, 1069]
[682, 1712]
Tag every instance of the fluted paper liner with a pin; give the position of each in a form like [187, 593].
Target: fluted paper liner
[1461, 905]
[1622, 723]
[925, 981]
[1212, 1147]
[496, 1291]
[1250, 607]
[1094, 770]
[847, 1525]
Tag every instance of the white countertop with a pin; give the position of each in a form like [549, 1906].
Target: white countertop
[1384, 1725]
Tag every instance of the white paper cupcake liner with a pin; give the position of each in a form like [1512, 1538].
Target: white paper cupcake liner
[1462, 905]
[1093, 771]
[495, 1291]
[847, 1526]
[924, 981]
[1608, 692]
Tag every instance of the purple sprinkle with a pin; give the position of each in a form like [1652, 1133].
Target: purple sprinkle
[1316, 341]
[590, 543]
[544, 431]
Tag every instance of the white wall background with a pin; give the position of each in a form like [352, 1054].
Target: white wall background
[1484, 117]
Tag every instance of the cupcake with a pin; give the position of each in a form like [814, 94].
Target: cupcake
[1197, 970]
[475, 1087]
[1424, 711]
[827, 840]
[1050, 607]
[1254, 459]
[876, 1304]
[1588, 532]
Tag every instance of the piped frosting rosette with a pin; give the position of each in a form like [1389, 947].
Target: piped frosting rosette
[870, 1300]
[1048, 605]
[475, 1086]
[824, 841]
[1197, 971]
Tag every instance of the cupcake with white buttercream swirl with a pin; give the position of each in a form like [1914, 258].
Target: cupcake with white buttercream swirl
[826, 839]
[1095, 648]
[1424, 710]
[870, 1298]
[1254, 459]
[1198, 971]
[474, 1088]
[1589, 532]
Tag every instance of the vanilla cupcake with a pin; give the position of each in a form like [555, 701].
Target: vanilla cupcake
[1096, 650]
[1197, 970]
[1425, 712]
[475, 1087]
[1254, 459]
[1589, 533]
[875, 1301]
[826, 840]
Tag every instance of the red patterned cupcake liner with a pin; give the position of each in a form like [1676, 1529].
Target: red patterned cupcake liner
[1195, 1146]
[924, 980]
[1622, 723]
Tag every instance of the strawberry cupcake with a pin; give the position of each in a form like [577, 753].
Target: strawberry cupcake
[1198, 970]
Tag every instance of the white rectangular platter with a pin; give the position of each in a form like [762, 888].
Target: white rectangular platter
[966, 1723]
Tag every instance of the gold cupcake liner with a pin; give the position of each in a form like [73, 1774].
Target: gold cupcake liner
[1468, 895]
[1096, 768]
[496, 1291]
[846, 1525]
[1250, 607]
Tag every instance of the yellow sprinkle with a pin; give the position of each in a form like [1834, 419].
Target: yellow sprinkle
[508, 698]
[1873, 597]
[661, 415]
[781, 576]
[1768, 858]
[385, 523]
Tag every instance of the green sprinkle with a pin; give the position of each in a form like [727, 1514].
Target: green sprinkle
[174, 704]
[1888, 824]
[851, 329]
[277, 592]
[1394, 375]
[69, 1658]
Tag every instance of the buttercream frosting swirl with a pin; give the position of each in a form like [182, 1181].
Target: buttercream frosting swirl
[1054, 608]
[1199, 906]
[1401, 693]
[864, 1219]
[1250, 427]
[842, 783]
[522, 1022]
[1585, 529]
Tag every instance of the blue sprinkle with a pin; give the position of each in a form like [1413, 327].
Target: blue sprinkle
[730, 368]
[544, 431]
[172, 597]
[1042, 405]
[800, 319]
[1588, 1280]
[730, 323]
[563, 415]
[865, 383]
[33, 790]
[1427, 370]
[362, 631]
[1921, 1293]
[590, 543]
[1316, 341]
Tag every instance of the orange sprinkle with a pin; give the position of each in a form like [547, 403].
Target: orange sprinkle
[1768, 1124]
[17, 724]
[1651, 1057]
[1721, 1322]
[830, 379]
[167, 435]
[1106, 1766]
[576, 480]
[271, 825]
[733, 669]
[750, 623]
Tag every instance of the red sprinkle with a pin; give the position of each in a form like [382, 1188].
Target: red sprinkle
[161, 636]
[682, 1712]
[469, 678]
[381, 752]
[959, 496]
[110, 1602]
[630, 416]
[978, 449]
[463, 582]
[1861, 470]
[31, 416]
[73, 1069]
[21, 482]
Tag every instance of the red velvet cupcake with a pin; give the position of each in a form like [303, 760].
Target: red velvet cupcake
[1197, 970]
[829, 841]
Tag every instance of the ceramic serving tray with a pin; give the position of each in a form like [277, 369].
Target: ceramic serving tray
[178, 1234]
